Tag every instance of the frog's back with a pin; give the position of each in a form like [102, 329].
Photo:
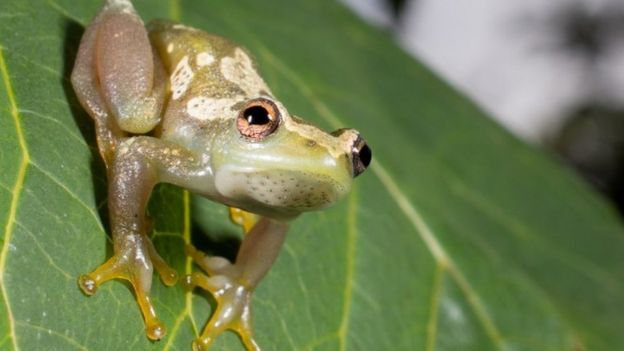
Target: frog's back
[177, 43]
[208, 75]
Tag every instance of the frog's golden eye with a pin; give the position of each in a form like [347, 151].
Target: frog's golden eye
[258, 118]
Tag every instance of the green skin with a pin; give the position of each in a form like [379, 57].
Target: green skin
[124, 75]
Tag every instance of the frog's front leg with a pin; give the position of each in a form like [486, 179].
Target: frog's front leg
[139, 163]
[233, 284]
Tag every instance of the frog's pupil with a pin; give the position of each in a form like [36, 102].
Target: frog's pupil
[257, 115]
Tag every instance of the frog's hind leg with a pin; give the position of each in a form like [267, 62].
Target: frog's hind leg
[85, 82]
[131, 75]
[117, 77]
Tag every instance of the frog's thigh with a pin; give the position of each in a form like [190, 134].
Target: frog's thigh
[86, 86]
[132, 77]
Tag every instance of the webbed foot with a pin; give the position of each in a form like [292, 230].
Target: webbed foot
[233, 297]
[135, 263]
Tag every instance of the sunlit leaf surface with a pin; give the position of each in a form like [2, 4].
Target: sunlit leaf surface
[458, 238]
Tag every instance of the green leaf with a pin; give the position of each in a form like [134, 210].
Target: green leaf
[459, 237]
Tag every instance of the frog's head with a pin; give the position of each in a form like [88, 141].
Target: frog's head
[278, 165]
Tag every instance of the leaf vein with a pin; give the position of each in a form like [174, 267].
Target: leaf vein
[167, 235]
[69, 340]
[64, 12]
[13, 15]
[320, 341]
[522, 232]
[70, 193]
[302, 286]
[57, 122]
[374, 304]
[45, 253]
[271, 304]
[26, 59]
[16, 192]
[436, 293]
[5, 187]
[188, 303]
[352, 237]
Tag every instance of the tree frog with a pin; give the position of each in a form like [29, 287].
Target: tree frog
[177, 105]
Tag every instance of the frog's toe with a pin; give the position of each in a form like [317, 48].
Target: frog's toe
[87, 284]
[168, 275]
[213, 265]
[136, 266]
[246, 220]
[233, 310]
[204, 343]
[189, 282]
[156, 331]
[232, 313]
[210, 284]
[154, 328]
[111, 269]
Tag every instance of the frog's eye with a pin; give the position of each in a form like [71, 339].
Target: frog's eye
[258, 119]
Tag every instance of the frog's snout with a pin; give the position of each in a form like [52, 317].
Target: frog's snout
[362, 155]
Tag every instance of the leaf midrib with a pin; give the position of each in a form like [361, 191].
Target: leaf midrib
[16, 192]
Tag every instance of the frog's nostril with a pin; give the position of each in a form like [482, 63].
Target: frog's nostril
[362, 156]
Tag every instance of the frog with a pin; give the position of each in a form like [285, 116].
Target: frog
[174, 104]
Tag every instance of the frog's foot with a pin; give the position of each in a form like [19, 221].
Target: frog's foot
[134, 264]
[233, 299]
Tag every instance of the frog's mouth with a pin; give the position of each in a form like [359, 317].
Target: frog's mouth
[280, 190]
